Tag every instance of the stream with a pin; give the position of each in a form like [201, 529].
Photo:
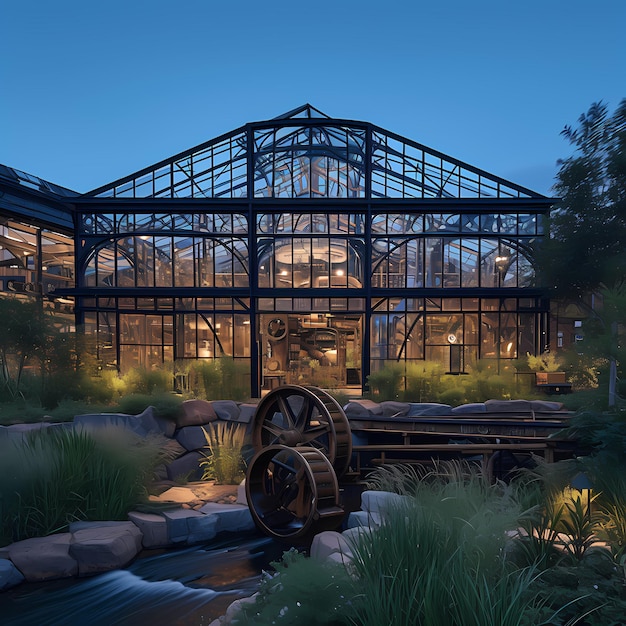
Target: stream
[178, 587]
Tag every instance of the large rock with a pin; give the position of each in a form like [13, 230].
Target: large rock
[425, 409]
[196, 413]
[44, 558]
[246, 413]
[508, 406]
[10, 576]
[394, 409]
[106, 420]
[546, 405]
[191, 438]
[226, 409]
[469, 409]
[186, 466]
[362, 408]
[17, 432]
[153, 423]
[105, 547]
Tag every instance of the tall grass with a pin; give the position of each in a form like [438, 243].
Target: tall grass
[441, 557]
[59, 475]
[224, 462]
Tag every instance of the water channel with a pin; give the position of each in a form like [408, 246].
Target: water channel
[179, 587]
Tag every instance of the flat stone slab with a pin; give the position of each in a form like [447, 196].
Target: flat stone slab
[179, 525]
[153, 529]
[44, 558]
[175, 494]
[229, 517]
[104, 548]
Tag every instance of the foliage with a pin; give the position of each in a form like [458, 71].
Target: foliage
[59, 475]
[445, 555]
[385, 383]
[587, 228]
[166, 405]
[224, 462]
[426, 381]
[141, 380]
[437, 559]
[545, 362]
[223, 378]
[302, 591]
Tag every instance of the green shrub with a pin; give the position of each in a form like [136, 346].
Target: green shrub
[149, 381]
[385, 383]
[303, 591]
[222, 379]
[424, 381]
[166, 405]
[59, 475]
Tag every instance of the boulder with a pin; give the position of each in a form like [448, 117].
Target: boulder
[44, 558]
[10, 576]
[419, 409]
[380, 501]
[226, 409]
[17, 432]
[546, 406]
[329, 542]
[101, 548]
[246, 413]
[391, 408]
[362, 408]
[469, 409]
[196, 413]
[191, 437]
[152, 423]
[106, 420]
[508, 406]
[187, 466]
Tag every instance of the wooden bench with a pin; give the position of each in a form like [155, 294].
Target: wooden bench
[486, 450]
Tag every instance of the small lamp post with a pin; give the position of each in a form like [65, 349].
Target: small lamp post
[581, 483]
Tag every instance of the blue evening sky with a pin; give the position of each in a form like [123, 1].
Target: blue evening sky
[91, 91]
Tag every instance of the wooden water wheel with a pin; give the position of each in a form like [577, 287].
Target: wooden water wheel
[302, 443]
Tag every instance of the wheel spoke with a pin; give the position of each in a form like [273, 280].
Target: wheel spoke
[304, 414]
[273, 429]
[312, 434]
[285, 409]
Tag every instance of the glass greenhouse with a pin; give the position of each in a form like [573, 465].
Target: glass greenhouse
[310, 249]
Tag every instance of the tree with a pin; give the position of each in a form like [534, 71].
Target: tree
[23, 335]
[585, 250]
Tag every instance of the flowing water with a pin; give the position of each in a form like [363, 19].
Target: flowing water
[183, 587]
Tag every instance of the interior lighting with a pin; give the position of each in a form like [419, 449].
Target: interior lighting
[339, 272]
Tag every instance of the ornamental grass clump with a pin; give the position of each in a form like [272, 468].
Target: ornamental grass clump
[439, 558]
[224, 462]
[59, 475]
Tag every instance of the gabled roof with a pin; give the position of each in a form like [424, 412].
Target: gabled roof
[304, 111]
[304, 153]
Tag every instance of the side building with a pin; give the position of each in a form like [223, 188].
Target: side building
[311, 250]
